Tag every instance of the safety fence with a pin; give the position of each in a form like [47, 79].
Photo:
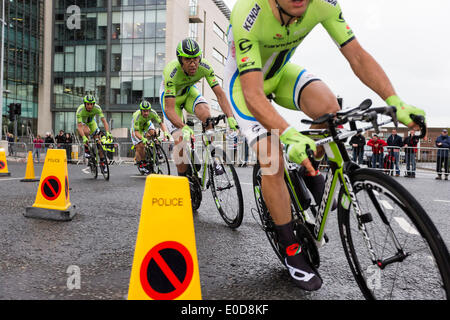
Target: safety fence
[239, 153]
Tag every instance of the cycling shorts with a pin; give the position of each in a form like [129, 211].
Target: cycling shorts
[188, 101]
[286, 88]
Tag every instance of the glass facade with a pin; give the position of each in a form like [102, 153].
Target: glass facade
[22, 61]
[113, 49]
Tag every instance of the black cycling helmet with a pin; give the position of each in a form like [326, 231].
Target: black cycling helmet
[188, 48]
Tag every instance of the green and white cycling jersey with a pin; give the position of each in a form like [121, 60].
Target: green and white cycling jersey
[88, 117]
[176, 83]
[258, 42]
[142, 125]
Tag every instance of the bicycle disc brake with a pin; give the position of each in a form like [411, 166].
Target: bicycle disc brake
[308, 244]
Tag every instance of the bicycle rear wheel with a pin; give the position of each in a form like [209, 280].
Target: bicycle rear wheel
[393, 248]
[226, 189]
[162, 162]
[92, 163]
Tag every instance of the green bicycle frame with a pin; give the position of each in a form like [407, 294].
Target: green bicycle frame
[336, 174]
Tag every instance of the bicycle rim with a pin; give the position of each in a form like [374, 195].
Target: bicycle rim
[227, 194]
[162, 162]
[93, 167]
[196, 192]
[407, 258]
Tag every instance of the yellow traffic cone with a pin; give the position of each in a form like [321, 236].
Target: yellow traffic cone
[52, 197]
[29, 172]
[3, 164]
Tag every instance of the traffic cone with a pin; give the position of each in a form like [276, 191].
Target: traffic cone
[3, 164]
[52, 197]
[29, 172]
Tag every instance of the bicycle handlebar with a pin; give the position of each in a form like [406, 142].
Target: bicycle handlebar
[366, 114]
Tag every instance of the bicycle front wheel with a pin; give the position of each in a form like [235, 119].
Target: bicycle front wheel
[161, 161]
[393, 248]
[226, 189]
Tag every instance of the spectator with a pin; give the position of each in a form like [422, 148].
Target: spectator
[37, 146]
[48, 141]
[377, 150]
[68, 146]
[410, 143]
[358, 142]
[60, 139]
[443, 143]
[10, 139]
[395, 142]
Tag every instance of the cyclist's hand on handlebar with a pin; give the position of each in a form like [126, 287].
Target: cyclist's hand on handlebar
[85, 140]
[232, 123]
[404, 112]
[187, 133]
[297, 145]
[167, 135]
[144, 140]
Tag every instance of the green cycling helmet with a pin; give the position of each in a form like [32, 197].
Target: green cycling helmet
[145, 105]
[188, 48]
[89, 98]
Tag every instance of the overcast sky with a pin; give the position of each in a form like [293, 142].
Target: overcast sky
[410, 39]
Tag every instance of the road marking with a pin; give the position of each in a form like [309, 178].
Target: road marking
[405, 225]
[447, 201]
[8, 179]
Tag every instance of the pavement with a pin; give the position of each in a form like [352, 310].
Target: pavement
[38, 256]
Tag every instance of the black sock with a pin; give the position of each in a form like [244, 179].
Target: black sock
[286, 234]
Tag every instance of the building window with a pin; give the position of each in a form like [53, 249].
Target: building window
[219, 32]
[218, 56]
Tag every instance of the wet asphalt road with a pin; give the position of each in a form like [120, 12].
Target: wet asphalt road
[234, 264]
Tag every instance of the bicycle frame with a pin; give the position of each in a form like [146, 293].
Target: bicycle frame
[206, 159]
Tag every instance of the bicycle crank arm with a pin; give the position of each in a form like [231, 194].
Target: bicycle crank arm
[224, 188]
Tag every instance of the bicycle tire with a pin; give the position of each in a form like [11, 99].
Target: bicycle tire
[196, 191]
[93, 163]
[219, 186]
[421, 273]
[267, 223]
[105, 174]
[163, 165]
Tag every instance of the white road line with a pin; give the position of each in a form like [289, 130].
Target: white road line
[447, 201]
[405, 225]
[8, 179]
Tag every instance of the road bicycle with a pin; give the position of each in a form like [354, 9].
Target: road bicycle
[392, 246]
[94, 161]
[155, 157]
[218, 174]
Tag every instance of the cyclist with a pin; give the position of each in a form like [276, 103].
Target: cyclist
[263, 36]
[178, 92]
[142, 128]
[87, 125]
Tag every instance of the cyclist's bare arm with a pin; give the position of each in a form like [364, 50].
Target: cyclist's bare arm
[262, 110]
[105, 124]
[367, 69]
[171, 113]
[222, 100]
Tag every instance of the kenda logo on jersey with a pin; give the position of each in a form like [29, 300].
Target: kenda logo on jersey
[251, 18]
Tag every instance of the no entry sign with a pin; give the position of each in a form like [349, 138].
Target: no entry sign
[51, 188]
[2, 164]
[166, 271]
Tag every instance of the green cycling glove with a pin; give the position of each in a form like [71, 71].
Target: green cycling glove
[187, 132]
[85, 140]
[144, 140]
[404, 110]
[296, 144]
[232, 123]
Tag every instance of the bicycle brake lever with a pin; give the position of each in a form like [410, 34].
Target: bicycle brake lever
[420, 121]
[392, 112]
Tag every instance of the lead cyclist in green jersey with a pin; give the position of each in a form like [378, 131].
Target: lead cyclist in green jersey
[178, 92]
[142, 128]
[263, 36]
[87, 125]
